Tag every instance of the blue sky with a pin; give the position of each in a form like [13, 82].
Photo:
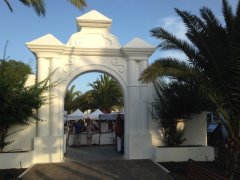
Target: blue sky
[133, 18]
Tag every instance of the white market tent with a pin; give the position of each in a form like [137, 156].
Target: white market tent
[76, 115]
[109, 117]
[95, 115]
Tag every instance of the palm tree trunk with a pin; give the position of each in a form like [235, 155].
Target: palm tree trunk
[3, 134]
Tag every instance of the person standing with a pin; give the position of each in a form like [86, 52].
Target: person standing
[90, 130]
[78, 130]
[118, 134]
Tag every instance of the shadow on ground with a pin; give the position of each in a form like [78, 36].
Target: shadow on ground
[99, 163]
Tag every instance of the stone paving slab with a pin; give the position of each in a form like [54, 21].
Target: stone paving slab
[97, 163]
[104, 170]
[93, 153]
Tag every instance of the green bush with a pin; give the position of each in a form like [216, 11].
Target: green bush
[18, 103]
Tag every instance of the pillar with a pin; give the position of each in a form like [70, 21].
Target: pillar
[54, 123]
[144, 107]
[138, 138]
[49, 148]
[43, 112]
[132, 96]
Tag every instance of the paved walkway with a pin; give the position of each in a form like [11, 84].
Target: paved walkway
[97, 163]
[93, 153]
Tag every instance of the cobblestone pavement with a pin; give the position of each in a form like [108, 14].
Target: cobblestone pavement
[98, 163]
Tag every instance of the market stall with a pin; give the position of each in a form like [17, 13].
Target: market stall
[83, 139]
[76, 115]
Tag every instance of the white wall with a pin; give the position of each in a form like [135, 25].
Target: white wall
[31, 80]
[156, 132]
[196, 130]
[16, 160]
[22, 140]
[180, 154]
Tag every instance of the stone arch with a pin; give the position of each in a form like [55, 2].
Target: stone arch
[93, 48]
[102, 68]
[95, 68]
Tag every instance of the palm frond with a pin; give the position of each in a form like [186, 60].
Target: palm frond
[238, 10]
[171, 42]
[9, 5]
[196, 33]
[80, 4]
[210, 19]
[166, 67]
[37, 5]
[195, 27]
[228, 15]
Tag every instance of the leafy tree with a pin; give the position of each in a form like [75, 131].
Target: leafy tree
[70, 101]
[212, 52]
[18, 103]
[14, 70]
[39, 5]
[105, 93]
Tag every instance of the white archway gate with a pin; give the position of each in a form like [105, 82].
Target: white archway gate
[93, 48]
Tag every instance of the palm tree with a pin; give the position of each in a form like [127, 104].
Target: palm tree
[86, 101]
[70, 101]
[212, 52]
[106, 93]
[173, 104]
[39, 5]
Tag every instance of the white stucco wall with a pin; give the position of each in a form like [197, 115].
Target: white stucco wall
[16, 160]
[23, 139]
[195, 131]
[31, 80]
[180, 154]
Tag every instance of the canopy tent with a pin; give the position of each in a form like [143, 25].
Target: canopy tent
[65, 115]
[95, 115]
[76, 115]
[109, 117]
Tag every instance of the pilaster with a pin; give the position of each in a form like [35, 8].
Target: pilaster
[43, 112]
[54, 124]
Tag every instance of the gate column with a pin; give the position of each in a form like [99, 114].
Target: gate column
[138, 144]
[48, 145]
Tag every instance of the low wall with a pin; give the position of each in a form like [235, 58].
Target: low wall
[16, 160]
[180, 154]
[100, 139]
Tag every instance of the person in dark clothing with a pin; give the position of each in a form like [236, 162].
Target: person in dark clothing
[78, 130]
[119, 131]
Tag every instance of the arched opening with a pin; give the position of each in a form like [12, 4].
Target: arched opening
[94, 116]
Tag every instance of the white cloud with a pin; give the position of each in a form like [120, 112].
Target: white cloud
[174, 25]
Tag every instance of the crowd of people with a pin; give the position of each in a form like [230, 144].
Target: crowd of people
[88, 127]
[78, 127]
